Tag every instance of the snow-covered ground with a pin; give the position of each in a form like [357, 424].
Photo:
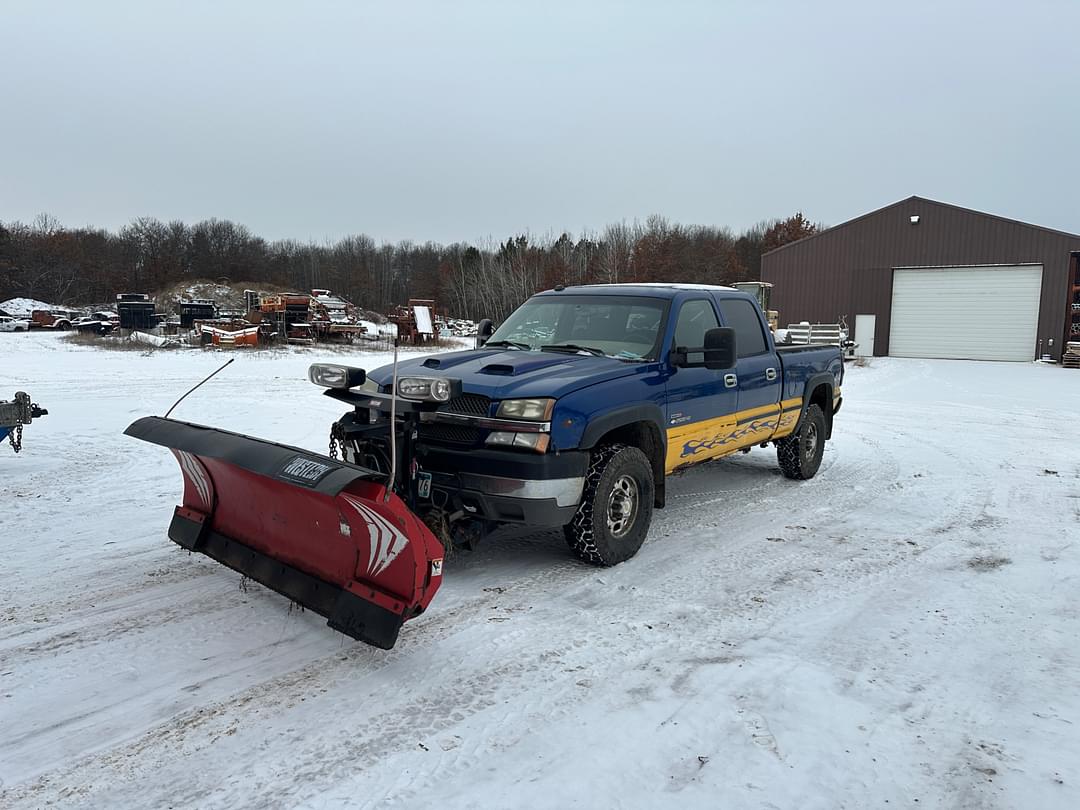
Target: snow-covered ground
[901, 631]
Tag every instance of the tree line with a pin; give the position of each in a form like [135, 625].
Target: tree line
[87, 266]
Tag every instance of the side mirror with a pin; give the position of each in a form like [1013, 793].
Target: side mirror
[720, 348]
[719, 351]
[484, 330]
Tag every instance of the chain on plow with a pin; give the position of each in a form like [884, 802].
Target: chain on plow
[337, 441]
[15, 437]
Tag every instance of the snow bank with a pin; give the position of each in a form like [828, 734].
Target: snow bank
[23, 306]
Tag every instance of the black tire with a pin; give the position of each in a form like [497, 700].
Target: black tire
[800, 453]
[616, 507]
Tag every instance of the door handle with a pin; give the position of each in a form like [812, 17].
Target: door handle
[730, 380]
[770, 374]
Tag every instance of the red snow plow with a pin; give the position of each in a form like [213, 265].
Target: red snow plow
[325, 533]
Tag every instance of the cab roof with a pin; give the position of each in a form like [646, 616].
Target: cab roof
[650, 289]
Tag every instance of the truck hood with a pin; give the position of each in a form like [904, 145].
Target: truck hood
[506, 373]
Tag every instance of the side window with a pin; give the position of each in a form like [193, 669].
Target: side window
[695, 319]
[742, 316]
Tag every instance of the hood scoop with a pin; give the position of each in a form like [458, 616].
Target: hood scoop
[454, 359]
[516, 363]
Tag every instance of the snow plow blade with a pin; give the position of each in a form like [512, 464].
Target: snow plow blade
[317, 530]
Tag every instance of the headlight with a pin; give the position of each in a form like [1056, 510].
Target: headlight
[330, 375]
[531, 410]
[436, 389]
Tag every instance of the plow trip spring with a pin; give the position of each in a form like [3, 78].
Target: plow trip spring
[320, 531]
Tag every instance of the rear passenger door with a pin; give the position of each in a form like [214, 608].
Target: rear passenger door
[758, 371]
[701, 405]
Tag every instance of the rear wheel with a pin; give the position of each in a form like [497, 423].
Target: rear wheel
[800, 453]
[616, 507]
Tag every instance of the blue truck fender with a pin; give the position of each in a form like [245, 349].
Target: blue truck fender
[829, 381]
[646, 413]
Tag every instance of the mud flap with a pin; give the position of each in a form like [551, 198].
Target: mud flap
[319, 531]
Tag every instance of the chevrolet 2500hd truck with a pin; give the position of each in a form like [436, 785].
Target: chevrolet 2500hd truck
[571, 414]
[576, 409]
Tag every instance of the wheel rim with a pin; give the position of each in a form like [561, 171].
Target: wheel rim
[622, 506]
[811, 440]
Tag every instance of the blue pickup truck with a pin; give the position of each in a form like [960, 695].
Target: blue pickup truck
[575, 411]
[571, 415]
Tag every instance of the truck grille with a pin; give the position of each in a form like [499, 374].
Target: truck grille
[441, 433]
[468, 405]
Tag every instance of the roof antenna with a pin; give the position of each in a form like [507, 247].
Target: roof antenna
[196, 386]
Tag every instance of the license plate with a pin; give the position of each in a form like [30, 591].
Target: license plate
[423, 485]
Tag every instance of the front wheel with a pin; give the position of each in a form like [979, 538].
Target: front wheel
[800, 453]
[616, 507]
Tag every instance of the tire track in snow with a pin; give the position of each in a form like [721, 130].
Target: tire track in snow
[355, 661]
[94, 610]
[127, 616]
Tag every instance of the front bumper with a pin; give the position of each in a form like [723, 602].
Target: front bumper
[541, 490]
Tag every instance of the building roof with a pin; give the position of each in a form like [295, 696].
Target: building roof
[923, 200]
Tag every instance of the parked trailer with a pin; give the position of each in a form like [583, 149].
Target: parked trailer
[822, 334]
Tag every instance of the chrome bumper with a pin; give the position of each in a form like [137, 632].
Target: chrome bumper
[564, 491]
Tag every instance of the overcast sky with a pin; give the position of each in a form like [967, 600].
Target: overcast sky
[462, 120]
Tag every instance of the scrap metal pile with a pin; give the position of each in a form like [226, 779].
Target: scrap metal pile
[318, 316]
[289, 317]
[416, 321]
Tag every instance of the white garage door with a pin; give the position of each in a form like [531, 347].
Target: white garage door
[966, 313]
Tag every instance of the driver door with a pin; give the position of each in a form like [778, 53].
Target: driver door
[701, 402]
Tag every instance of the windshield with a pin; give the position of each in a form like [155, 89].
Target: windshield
[627, 328]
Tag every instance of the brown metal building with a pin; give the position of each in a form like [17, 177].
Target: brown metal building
[928, 279]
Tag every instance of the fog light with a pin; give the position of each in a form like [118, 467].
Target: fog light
[331, 375]
[537, 442]
[435, 389]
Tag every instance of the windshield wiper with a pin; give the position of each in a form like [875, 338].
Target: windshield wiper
[572, 347]
[512, 344]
